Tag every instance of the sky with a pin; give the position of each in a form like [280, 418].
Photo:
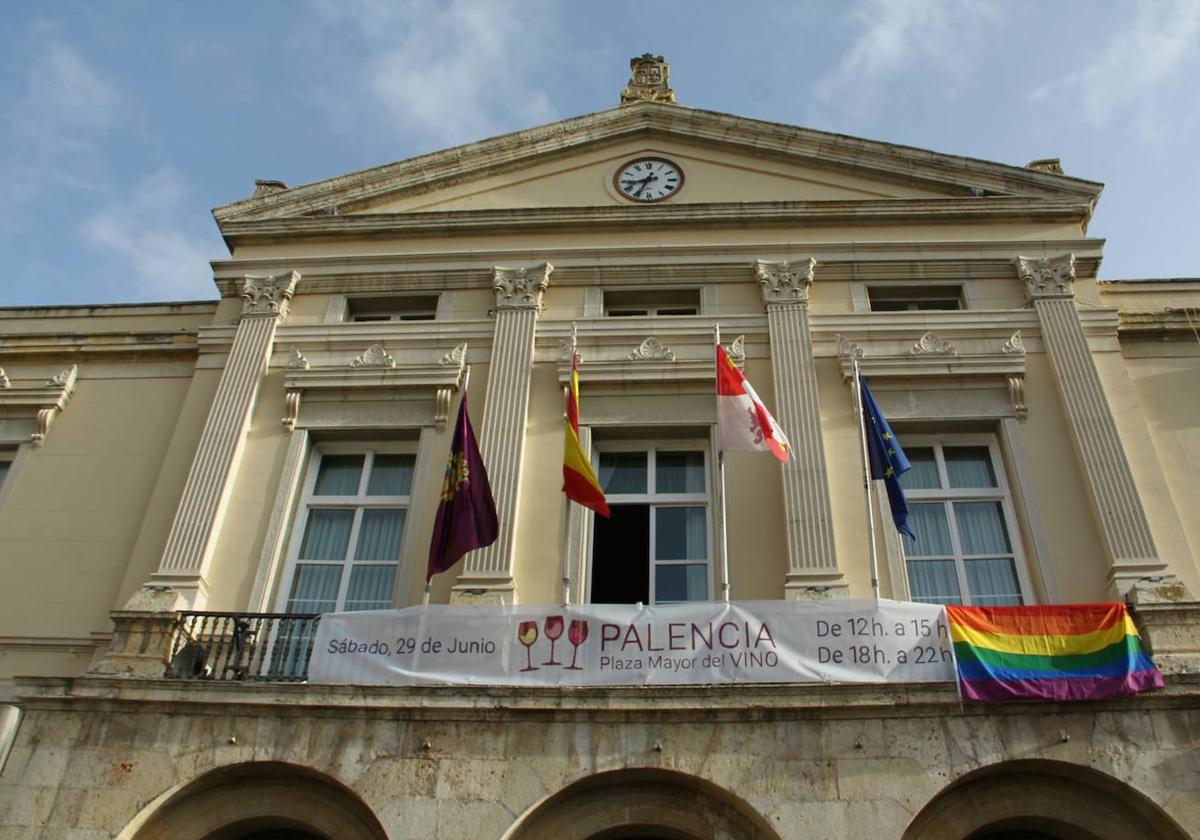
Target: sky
[122, 124]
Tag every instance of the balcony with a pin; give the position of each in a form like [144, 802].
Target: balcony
[241, 646]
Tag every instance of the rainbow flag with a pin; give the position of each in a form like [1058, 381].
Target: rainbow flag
[1069, 652]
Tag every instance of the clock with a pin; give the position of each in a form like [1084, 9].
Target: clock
[648, 179]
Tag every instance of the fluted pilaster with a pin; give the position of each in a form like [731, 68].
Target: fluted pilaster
[487, 573]
[1107, 474]
[188, 550]
[812, 561]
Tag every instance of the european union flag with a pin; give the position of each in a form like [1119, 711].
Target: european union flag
[888, 461]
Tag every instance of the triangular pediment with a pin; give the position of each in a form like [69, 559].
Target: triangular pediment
[725, 160]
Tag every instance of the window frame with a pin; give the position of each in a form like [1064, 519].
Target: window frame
[655, 500]
[652, 309]
[308, 500]
[947, 495]
[912, 294]
[381, 313]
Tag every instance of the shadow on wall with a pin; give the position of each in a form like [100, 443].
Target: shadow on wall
[641, 803]
[257, 801]
[1041, 799]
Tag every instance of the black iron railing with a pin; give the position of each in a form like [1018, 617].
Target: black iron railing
[242, 646]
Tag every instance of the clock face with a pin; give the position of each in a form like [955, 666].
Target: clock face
[648, 179]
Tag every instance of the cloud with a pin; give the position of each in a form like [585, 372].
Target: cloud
[56, 127]
[898, 35]
[1137, 60]
[144, 232]
[440, 72]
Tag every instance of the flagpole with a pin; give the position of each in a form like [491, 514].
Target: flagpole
[724, 523]
[862, 436]
[466, 381]
[566, 541]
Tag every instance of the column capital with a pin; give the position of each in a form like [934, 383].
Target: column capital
[785, 282]
[521, 288]
[268, 294]
[1047, 277]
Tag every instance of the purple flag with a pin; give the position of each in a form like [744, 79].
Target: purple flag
[466, 517]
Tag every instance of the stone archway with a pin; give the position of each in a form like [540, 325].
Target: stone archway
[255, 801]
[1049, 800]
[642, 804]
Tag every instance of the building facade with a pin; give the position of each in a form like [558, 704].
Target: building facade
[186, 471]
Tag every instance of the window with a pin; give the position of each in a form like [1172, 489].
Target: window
[904, 298]
[652, 302]
[5, 465]
[655, 547]
[392, 308]
[966, 551]
[346, 547]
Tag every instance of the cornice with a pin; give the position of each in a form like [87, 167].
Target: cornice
[959, 211]
[93, 346]
[708, 263]
[883, 161]
[1170, 324]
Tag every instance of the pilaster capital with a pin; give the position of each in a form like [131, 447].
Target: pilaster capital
[521, 288]
[785, 282]
[268, 294]
[1047, 277]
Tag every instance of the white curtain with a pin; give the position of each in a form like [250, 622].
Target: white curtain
[327, 534]
[924, 474]
[315, 588]
[391, 475]
[680, 582]
[339, 475]
[934, 581]
[379, 534]
[981, 528]
[623, 472]
[969, 466]
[681, 533]
[371, 587]
[679, 472]
[993, 582]
[928, 522]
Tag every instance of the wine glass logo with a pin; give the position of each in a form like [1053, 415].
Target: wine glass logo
[554, 631]
[527, 634]
[577, 634]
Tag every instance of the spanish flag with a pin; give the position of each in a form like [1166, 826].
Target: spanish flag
[579, 481]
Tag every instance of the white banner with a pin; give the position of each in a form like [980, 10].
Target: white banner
[596, 644]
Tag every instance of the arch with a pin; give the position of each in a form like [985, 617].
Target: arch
[1037, 797]
[257, 798]
[642, 803]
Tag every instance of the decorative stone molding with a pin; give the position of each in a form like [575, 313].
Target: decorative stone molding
[649, 80]
[784, 282]
[42, 403]
[1168, 616]
[1051, 165]
[848, 351]
[931, 345]
[268, 294]
[265, 186]
[1117, 503]
[1047, 277]
[188, 551]
[1016, 392]
[652, 350]
[455, 358]
[736, 350]
[441, 408]
[374, 357]
[296, 360]
[291, 402]
[521, 288]
[1015, 345]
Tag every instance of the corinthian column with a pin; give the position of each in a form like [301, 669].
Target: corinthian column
[1128, 544]
[186, 558]
[487, 573]
[812, 563]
